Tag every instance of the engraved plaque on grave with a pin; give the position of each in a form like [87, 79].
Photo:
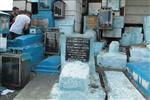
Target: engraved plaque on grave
[77, 49]
[52, 42]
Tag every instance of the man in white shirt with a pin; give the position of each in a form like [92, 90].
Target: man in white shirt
[21, 24]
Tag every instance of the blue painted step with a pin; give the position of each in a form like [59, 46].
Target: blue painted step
[49, 65]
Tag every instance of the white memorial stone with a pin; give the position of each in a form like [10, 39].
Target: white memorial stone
[114, 47]
[112, 60]
[74, 76]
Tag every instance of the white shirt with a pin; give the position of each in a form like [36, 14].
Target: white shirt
[18, 25]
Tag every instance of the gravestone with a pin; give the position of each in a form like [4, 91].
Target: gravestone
[77, 47]
[78, 73]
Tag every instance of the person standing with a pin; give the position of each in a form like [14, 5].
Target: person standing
[21, 25]
[14, 13]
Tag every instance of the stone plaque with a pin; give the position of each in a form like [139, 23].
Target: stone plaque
[77, 49]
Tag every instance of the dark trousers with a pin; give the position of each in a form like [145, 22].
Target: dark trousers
[12, 35]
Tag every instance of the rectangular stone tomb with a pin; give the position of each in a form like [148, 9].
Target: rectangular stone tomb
[76, 83]
[93, 93]
[74, 76]
[140, 73]
[120, 87]
[112, 60]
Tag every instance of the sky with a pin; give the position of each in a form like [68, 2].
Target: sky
[6, 5]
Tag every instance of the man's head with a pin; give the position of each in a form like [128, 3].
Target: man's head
[28, 13]
[16, 10]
